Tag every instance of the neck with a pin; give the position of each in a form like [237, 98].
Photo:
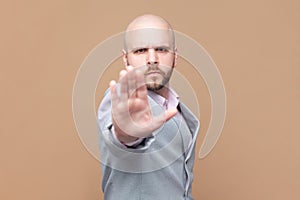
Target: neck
[164, 92]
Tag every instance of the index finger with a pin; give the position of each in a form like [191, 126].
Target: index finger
[141, 90]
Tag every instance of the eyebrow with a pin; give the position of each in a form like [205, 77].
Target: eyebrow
[151, 47]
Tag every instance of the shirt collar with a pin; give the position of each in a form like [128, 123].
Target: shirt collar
[170, 103]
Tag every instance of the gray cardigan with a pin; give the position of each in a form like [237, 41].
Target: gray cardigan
[160, 168]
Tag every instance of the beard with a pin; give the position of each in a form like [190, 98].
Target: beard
[157, 85]
[154, 86]
[159, 81]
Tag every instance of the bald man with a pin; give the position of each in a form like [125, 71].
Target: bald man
[146, 135]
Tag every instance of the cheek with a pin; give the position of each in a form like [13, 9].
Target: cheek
[166, 60]
[167, 71]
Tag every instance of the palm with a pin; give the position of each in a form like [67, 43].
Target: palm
[130, 108]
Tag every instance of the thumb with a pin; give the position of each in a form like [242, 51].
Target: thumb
[170, 113]
[162, 118]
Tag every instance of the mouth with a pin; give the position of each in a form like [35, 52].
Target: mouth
[153, 73]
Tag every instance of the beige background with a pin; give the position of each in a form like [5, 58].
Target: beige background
[255, 44]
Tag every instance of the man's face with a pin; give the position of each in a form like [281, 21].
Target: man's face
[152, 50]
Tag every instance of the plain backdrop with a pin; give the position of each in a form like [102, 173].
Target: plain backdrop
[255, 44]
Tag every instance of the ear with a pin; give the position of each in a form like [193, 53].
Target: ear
[175, 57]
[125, 59]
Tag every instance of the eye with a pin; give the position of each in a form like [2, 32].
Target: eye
[140, 51]
[162, 49]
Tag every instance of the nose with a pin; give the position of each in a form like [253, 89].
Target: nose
[152, 58]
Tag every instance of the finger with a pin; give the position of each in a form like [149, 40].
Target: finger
[170, 113]
[141, 91]
[131, 82]
[123, 85]
[155, 123]
[113, 92]
[159, 120]
[128, 67]
[122, 74]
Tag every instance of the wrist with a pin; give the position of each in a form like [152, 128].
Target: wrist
[123, 137]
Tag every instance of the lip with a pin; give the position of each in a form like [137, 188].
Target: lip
[153, 73]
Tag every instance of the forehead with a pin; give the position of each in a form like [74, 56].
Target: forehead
[148, 37]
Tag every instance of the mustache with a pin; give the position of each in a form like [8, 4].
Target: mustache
[154, 69]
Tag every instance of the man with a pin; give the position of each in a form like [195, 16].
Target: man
[146, 135]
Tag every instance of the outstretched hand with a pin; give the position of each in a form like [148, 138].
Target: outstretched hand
[131, 114]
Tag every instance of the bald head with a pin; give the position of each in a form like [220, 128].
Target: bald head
[150, 30]
[148, 21]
